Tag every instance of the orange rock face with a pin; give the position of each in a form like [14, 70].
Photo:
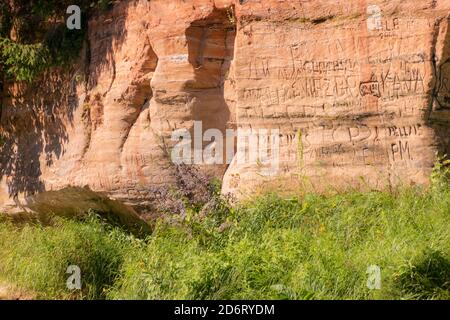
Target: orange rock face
[356, 88]
[359, 92]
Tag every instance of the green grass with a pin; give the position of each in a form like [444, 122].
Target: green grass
[316, 247]
[36, 258]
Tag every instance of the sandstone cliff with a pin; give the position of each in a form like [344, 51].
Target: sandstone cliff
[359, 91]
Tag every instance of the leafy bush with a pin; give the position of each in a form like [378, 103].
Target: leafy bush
[24, 62]
[440, 177]
[38, 44]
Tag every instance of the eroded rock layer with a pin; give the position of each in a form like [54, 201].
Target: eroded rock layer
[359, 92]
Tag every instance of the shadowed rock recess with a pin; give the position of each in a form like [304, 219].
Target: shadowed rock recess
[359, 91]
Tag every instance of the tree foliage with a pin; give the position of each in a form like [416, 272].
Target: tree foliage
[34, 37]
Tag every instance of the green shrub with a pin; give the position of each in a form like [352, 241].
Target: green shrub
[39, 45]
[23, 62]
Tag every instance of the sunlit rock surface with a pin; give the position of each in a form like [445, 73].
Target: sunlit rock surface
[359, 92]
